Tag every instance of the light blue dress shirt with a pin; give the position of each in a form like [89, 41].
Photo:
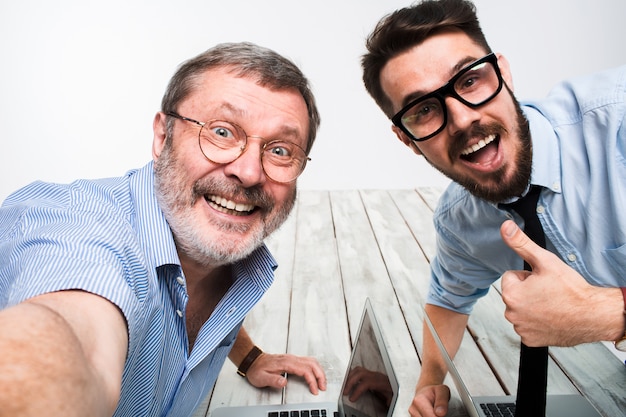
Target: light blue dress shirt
[109, 237]
[579, 156]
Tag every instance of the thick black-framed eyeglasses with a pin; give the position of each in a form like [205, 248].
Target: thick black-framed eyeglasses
[474, 85]
[223, 142]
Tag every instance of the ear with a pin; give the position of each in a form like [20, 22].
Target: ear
[405, 139]
[159, 128]
[505, 70]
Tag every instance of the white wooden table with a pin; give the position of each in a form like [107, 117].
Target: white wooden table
[339, 248]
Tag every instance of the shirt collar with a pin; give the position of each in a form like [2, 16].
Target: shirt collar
[154, 231]
[546, 165]
[546, 170]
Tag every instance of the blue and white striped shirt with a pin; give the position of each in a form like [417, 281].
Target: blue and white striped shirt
[109, 237]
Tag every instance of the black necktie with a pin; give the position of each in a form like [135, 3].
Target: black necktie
[533, 366]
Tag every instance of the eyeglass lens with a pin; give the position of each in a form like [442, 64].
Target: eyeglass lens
[223, 142]
[473, 86]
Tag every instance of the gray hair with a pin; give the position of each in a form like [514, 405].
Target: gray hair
[271, 70]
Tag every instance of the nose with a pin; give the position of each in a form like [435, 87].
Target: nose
[460, 116]
[248, 168]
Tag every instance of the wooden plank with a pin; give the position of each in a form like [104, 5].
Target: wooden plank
[398, 239]
[417, 214]
[318, 325]
[431, 195]
[365, 276]
[597, 373]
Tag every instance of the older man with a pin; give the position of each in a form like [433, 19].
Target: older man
[124, 296]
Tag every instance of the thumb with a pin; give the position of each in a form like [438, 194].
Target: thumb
[517, 240]
[280, 381]
[442, 397]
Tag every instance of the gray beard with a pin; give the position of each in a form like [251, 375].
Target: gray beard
[176, 202]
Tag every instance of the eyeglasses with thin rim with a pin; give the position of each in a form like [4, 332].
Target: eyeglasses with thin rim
[474, 85]
[222, 142]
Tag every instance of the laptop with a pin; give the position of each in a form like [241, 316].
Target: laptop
[568, 405]
[369, 362]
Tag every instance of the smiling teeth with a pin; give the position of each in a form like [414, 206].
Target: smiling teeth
[231, 205]
[479, 145]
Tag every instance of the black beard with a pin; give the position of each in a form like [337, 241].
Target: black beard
[521, 178]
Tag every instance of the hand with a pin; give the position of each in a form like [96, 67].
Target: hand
[269, 369]
[553, 305]
[430, 401]
[361, 380]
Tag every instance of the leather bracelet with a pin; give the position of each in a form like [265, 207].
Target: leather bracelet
[620, 344]
[254, 353]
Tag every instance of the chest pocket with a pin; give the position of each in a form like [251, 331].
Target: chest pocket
[617, 259]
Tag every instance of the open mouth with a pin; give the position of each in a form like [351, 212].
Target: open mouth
[229, 207]
[483, 151]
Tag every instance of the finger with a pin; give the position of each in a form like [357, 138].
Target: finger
[442, 397]
[316, 379]
[263, 378]
[517, 240]
[278, 381]
[427, 398]
[510, 278]
[307, 368]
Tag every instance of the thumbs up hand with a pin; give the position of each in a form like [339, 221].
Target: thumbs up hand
[553, 305]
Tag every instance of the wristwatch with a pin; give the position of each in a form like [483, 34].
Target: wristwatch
[254, 353]
[621, 343]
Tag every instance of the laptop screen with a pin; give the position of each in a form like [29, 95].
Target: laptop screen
[370, 388]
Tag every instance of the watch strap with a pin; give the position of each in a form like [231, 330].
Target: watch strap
[254, 353]
[621, 343]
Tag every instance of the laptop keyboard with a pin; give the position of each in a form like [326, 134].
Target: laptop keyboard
[300, 413]
[498, 409]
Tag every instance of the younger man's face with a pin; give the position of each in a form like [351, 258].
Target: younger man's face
[485, 149]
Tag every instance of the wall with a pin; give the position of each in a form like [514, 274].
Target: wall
[81, 81]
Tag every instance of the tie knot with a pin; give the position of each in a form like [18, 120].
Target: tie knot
[526, 206]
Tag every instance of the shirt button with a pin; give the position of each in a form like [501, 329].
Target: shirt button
[540, 209]
[180, 313]
[180, 280]
[571, 257]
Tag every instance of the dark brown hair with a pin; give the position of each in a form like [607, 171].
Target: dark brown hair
[408, 27]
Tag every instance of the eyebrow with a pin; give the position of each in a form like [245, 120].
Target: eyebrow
[460, 65]
[284, 132]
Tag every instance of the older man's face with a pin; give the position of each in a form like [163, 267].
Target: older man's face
[219, 213]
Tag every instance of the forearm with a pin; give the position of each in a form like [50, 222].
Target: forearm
[43, 368]
[450, 327]
[602, 317]
[243, 345]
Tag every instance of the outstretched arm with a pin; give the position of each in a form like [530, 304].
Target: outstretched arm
[63, 353]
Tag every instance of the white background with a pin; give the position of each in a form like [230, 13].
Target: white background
[80, 81]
